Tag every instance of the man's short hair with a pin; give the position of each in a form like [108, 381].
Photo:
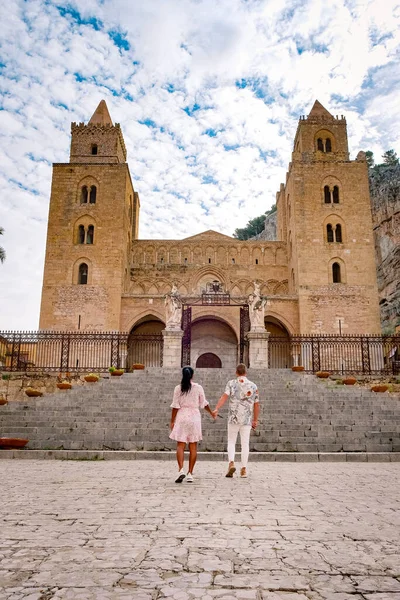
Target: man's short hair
[241, 369]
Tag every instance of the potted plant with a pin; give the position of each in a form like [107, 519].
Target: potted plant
[114, 372]
[91, 377]
[12, 443]
[3, 400]
[322, 374]
[64, 385]
[137, 367]
[297, 368]
[381, 387]
[349, 381]
[32, 392]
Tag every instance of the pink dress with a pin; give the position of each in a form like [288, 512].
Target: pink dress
[187, 427]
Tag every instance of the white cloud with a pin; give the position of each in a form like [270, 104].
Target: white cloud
[59, 61]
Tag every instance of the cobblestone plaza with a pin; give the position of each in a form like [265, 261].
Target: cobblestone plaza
[123, 529]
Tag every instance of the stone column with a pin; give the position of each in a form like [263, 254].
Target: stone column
[172, 348]
[258, 349]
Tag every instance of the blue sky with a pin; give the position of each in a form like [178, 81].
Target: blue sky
[207, 92]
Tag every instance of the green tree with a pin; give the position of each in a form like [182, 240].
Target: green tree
[2, 251]
[370, 158]
[390, 158]
[254, 226]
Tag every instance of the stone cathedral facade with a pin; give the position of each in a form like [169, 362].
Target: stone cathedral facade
[319, 275]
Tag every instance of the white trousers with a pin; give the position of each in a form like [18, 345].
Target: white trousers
[244, 431]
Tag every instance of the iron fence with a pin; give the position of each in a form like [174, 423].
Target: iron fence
[357, 354]
[31, 351]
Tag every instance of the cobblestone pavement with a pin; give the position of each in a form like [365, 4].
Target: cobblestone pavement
[125, 530]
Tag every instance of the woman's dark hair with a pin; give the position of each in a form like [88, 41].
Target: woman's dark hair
[187, 374]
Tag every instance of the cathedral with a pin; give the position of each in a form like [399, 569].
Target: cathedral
[318, 277]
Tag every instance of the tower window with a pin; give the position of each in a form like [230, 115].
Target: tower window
[256, 261]
[162, 260]
[90, 234]
[209, 261]
[81, 234]
[94, 149]
[336, 195]
[329, 233]
[83, 274]
[320, 144]
[185, 260]
[338, 233]
[84, 195]
[327, 194]
[93, 193]
[233, 261]
[328, 145]
[336, 273]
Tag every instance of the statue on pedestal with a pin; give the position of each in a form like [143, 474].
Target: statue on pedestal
[256, 309]
[173, 309]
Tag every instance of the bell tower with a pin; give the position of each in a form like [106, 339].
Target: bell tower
[325, 218]
[93, 218]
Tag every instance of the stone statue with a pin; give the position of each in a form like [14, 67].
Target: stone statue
[173, 309]
[256, 309]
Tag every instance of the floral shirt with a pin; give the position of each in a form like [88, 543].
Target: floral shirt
[243, 394]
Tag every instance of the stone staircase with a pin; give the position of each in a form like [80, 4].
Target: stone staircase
[299, 413]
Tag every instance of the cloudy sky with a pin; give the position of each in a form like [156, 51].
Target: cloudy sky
[208, 94]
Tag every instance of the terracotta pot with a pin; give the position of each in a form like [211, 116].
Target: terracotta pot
[91, 378]
[322, 374]
[380, 388]
[117, 373]
[33, 393]
[64, 385]
[3, 401]
[350, 381]
[10, 443]
[137, 367]
[297, 369]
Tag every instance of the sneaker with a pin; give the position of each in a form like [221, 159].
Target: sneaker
[231, 469]
[243, 472]
[181, 477]
[189, 478]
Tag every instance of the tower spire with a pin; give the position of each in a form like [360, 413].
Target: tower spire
[319, 111]
[101, 116]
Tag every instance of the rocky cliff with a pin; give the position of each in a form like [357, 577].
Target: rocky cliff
[385, 202]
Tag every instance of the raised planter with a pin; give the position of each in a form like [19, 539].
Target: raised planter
[12, 443]
[349, 381]
[117, 373]
[322, 374]
[380, 388]
[32, 393]
[137, 367]
[64, 385]
[91, 378]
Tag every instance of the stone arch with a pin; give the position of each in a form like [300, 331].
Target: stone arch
[272, 316]
[75, 269]
[269, 256]
[334, 220]
[86, 221]
[164, 286]
[145, 341]
[174, 256]
[221, 255]
[281, 288]
[271, 285]
[162, 256]
[138, 256]
[256, 256]
[149, 255]
[145, 315]
[207, 273]
[212, 334]
[186, 256]
[244, 256]
[209, 255]
[343, 276]
[198, 255]
[136, 288]
[279, 351]
[330, 182]
[150, 287]
[321, 143]
[208, 360]
[87, 182]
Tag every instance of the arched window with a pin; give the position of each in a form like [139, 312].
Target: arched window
[84, 195]
[233, 261]
[338, 233]
[329, 233]
[320, 144]
[256, 261]
[81, 234]
[94, 149]
[90, 234]
[83, 274]
[327, 194]
[336, 273]
[336, 195]
[328, 145]
[93, 192]
[209, 261]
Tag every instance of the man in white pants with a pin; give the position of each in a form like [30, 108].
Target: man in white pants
[244, 408]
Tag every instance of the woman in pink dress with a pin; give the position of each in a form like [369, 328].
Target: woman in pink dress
[186, 421]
